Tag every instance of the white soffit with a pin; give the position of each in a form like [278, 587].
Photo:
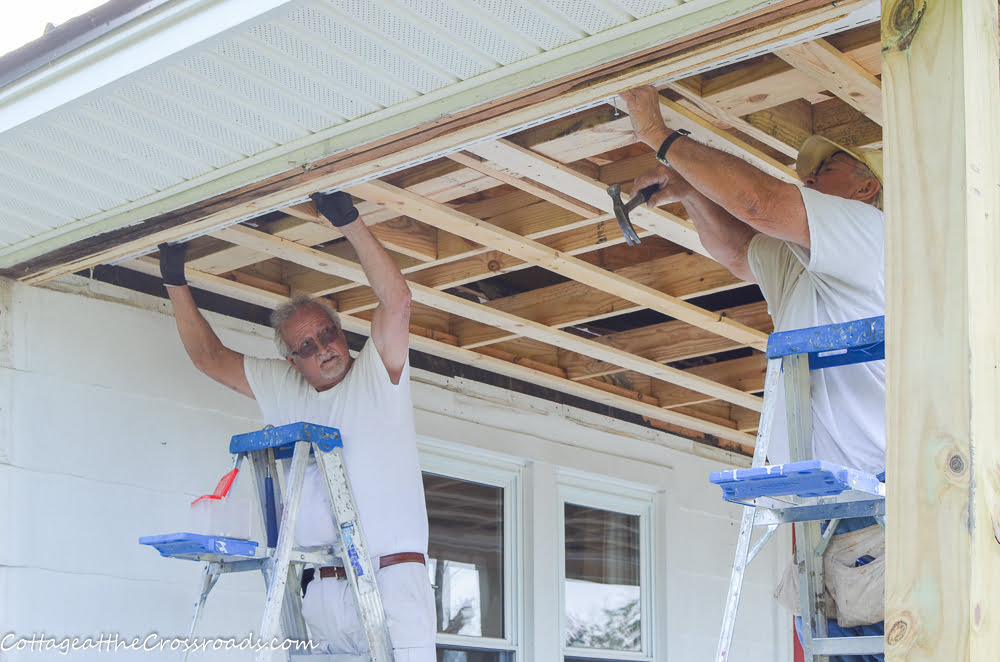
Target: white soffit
[202, 92]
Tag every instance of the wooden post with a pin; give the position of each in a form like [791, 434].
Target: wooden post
[942, 101]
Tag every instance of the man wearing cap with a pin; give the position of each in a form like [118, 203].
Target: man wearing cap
[815, 251]
[368, 399]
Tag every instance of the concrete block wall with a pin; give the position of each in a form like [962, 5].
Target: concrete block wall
[107, 433]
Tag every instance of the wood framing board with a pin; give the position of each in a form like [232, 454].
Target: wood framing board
[536, 253]
[940, 76]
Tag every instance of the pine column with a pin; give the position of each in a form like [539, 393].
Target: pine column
[942, 119]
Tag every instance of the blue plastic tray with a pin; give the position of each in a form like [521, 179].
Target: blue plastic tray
[192, 545]
[804, 479]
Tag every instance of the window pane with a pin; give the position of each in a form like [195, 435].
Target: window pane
[602, 579]
[453, 654]
[466, 556]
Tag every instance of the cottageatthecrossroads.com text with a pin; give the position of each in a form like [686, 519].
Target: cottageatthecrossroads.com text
[152, 642]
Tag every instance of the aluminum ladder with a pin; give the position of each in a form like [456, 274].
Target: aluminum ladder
[281, 561]
[804, 492]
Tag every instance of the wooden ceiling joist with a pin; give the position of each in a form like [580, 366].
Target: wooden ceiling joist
[838, 73]
[541, 255]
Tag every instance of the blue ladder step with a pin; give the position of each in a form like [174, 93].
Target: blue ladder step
[833, 344]
[193, 546]
[282, 439]
[804, 479]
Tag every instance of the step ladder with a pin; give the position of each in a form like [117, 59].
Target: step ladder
[281, 562]
[804, 492]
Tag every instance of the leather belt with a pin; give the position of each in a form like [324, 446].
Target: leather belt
[383, 562]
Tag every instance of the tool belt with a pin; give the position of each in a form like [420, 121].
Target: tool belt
[341, 573]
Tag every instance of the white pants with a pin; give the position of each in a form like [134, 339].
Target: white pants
[332, 617]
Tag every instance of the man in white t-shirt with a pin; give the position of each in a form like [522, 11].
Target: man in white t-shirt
[815, 251]
[368, 399]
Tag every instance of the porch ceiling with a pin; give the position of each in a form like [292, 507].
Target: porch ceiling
[494, 206]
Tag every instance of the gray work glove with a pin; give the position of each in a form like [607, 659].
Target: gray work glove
[172, 263]
[337, 207]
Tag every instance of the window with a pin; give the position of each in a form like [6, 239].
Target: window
[602, 579]
[471, 512]
[606, 597]
[466, 552]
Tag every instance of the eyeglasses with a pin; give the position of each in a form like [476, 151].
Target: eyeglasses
[309, 348]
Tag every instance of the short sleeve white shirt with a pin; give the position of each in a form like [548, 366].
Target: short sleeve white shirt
[838, 279]
[375, 419]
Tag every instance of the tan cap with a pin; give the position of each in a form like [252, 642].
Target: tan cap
[817, 149]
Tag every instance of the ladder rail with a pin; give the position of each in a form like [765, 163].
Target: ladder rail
[358, 564]
[279, 567]
[742, 557]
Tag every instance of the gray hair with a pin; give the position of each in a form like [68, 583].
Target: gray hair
[284, 312]
[863, 172]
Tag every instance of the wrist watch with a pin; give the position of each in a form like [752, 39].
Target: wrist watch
[661, 154]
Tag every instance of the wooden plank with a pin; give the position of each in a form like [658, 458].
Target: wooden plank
[470, 265]
[490, 263]
[590, 139]
[845, 125]
[942, 251]
[683, 276]
[745, 374]
[839, 74]
[862, 44]
[666, 342]
[733, 120]
[387, 155]
[212, 283]
[542, 191]
[316, 230]
[543, 256]
[790, 122]
[679, 117]
[286, 250]
[758, 85]
[590, 191]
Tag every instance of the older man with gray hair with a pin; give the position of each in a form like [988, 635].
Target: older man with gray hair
[816, 252]
[368, 399]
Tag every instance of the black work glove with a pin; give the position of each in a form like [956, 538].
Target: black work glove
[172, 263]
[337, 207]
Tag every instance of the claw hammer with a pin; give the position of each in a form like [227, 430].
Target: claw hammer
[622, 209]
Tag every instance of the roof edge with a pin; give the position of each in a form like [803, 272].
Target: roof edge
[71, 35]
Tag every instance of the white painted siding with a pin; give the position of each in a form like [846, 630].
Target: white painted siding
[107, 432]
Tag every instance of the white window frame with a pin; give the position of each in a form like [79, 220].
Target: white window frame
[595, 491]
[465, 463]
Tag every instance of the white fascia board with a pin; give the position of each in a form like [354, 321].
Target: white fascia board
[151, 38]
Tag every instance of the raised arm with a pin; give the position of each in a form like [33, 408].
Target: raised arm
[724, 236]
[391, 319]
[203, 347]
[765, 203]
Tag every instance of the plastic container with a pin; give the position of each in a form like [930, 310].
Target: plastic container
[218, 514]
[226, 517]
